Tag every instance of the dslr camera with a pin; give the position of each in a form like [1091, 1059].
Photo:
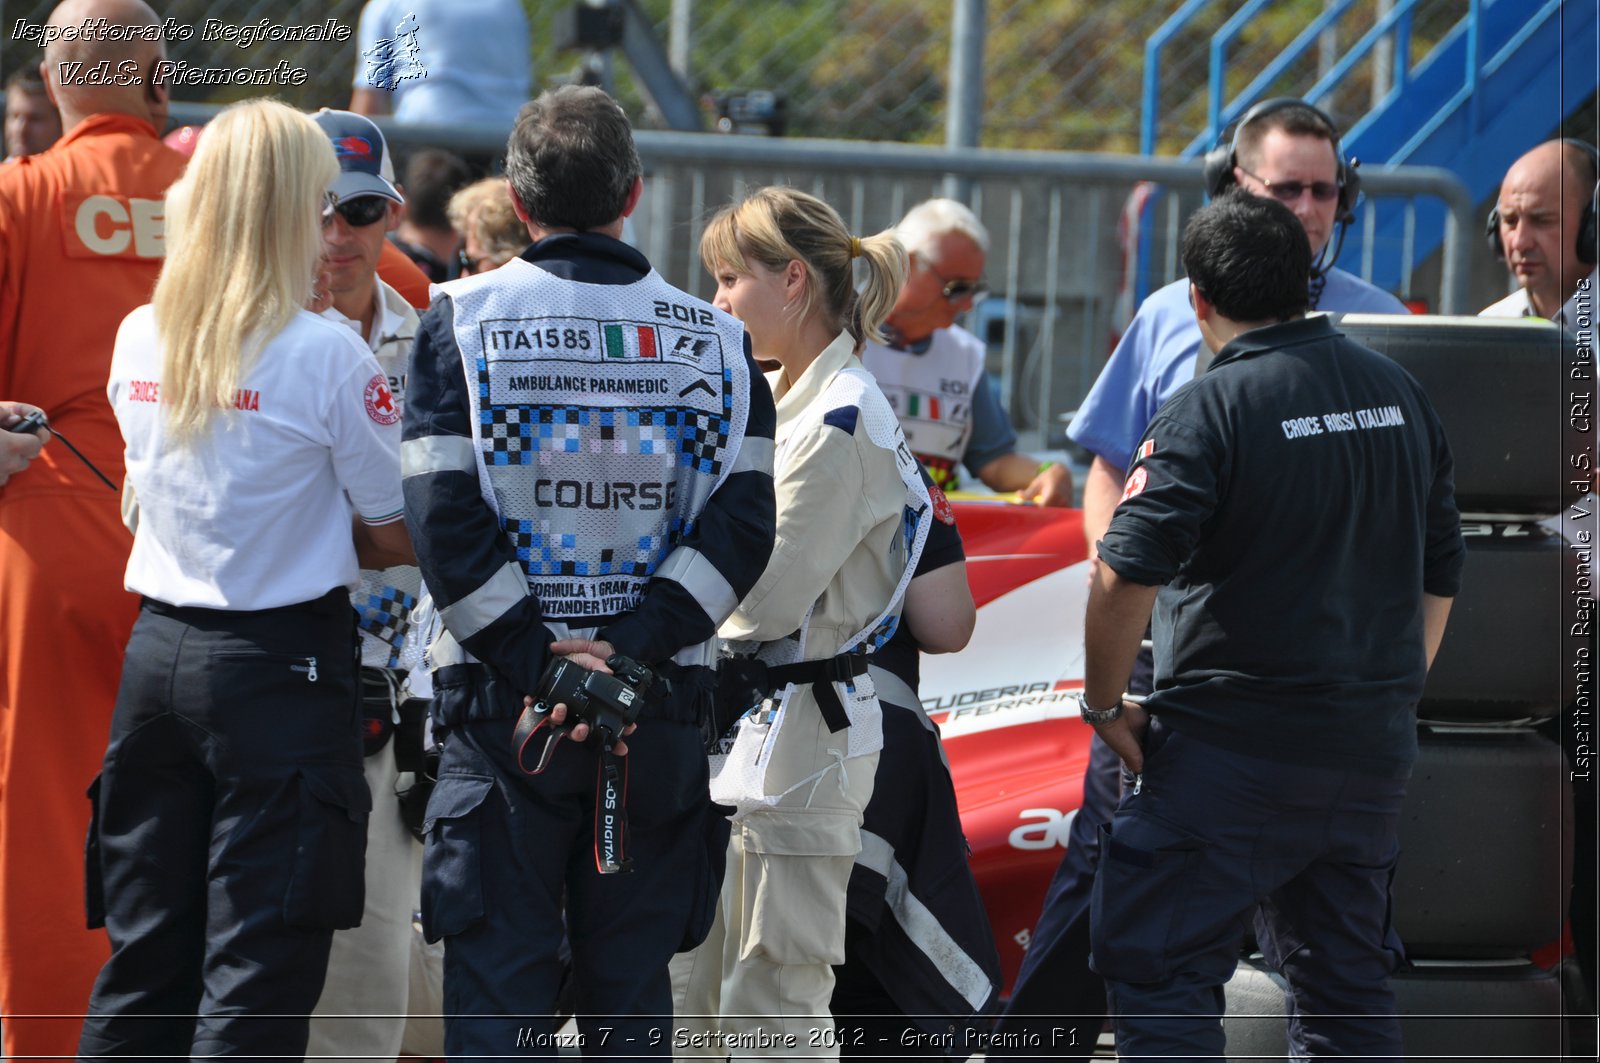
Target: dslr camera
[607, 703]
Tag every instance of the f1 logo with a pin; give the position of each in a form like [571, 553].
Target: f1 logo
[689, 347]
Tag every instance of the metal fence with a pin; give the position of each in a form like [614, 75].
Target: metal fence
[1059, 256]
[1058, 259]
[1058, 74]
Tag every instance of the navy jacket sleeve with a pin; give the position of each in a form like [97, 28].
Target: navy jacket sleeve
[1170, 494]
[943, 546]
[729, 543]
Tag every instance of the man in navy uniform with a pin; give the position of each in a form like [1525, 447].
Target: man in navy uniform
[588, 459]
[1287, 150]
[1293, 632]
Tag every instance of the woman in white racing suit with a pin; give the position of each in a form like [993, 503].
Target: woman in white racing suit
[852, 516]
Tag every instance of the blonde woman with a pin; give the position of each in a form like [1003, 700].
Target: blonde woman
[230, 813]
[851, 520]
[491, 232]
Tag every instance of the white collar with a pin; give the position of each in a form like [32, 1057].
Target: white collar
[793, 400]
[389, 322]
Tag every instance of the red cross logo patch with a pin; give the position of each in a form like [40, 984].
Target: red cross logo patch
[380, 401]
[1135, 483]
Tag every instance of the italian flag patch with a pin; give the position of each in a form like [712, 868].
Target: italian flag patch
[630, 341]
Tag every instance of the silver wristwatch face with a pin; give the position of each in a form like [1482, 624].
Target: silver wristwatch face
[1097, 715]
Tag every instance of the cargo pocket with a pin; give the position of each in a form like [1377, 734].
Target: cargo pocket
[708, 886]
[1139, 899]
[796, 879]
[327, 884]
[452, 866]
[94, 889]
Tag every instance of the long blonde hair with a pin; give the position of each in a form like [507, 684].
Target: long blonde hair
[243, 234]
[776, 225]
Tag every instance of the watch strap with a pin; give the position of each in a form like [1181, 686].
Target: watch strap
[1097, 716]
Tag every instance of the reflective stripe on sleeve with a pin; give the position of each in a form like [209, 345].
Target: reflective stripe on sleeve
[431, 454]
[445, 651]
[755, 455]
[699, 655]
[497, 596]
[690, 570]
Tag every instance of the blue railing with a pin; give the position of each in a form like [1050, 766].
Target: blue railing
[1477, 70]
[1221, 112]
[1219, 116]
[1150, 108]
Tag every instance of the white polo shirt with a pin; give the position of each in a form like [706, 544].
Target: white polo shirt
[253, 513]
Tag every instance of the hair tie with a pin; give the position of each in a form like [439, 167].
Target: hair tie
[855, 247]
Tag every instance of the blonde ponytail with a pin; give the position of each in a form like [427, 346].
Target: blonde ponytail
[774, 226]
[886, 273]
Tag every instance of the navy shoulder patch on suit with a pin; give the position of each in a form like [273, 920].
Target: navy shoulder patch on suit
[844, 419]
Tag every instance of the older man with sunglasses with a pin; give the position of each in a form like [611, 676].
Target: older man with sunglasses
[362, 1013]
[1289, 151]
[932, 369]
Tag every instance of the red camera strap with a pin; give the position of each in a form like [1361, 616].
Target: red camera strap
[532, 722]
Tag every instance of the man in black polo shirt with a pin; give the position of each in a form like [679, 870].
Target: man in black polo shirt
[1290, 516]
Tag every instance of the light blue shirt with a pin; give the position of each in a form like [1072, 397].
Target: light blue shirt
[457, 62]
[992, 434]
[1156, 357]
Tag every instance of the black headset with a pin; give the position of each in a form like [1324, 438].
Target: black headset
[1220, 161]
[1588, 228]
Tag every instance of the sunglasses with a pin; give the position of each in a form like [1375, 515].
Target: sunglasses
[469, 266]
[956, 290]
[358, 212]
[1290, 191]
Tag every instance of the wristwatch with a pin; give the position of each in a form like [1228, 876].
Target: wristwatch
[1097, 716]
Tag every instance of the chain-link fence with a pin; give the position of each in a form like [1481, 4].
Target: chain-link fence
[1059, 74]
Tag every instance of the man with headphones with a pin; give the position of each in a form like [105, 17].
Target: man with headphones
[1286, 149]
[1543, 227]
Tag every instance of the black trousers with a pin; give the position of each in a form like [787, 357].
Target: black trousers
[509, 853]
[1215, 840]
[229, 830]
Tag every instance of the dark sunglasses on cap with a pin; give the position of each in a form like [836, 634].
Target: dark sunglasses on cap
[358, 211]
[956, 290]
[1290, 191]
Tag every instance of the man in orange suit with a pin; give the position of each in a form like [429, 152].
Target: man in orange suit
[81, 241]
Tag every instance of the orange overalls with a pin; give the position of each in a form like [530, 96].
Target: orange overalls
[401, 274]
[81, 240]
